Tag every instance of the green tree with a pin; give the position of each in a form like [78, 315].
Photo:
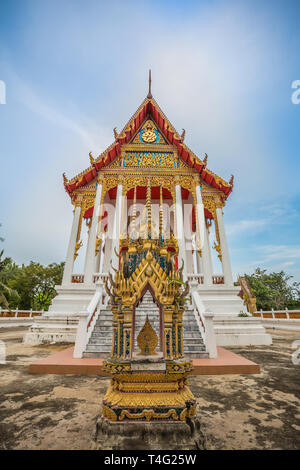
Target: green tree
[8, 297]
[274, 290]
[35, 284]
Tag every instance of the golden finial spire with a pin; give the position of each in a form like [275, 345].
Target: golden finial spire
[149, 96]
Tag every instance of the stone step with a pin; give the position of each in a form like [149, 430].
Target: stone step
[96, 354]
[191, 334]
[193, 341]
[95, 347]
[103, 328]
[195, 355]
[100, 342]
[191, 348]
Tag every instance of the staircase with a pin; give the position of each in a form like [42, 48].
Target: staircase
[193, 344]
[100, 342]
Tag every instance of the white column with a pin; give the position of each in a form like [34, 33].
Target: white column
[199, 263]
[99, 256]
[102, 255]
[68, 269]
[194, 248]
[97, 260]
[228, 280]
[204, 242]
[209, 251]
[180, 230]
[91, 245]
[207, 261]
[107, 255]
[117, 228]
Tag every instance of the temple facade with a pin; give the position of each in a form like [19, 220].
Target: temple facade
[147, 187]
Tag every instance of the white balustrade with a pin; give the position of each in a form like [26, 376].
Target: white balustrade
[77, 278]
[205, 323]
[218, 279]
[277, 314]
[20, 313]
[100, 277]
[87, 321]
[196, 277]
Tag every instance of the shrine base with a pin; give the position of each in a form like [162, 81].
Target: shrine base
[148, 436]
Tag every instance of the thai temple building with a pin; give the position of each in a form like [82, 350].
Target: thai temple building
[153, 210]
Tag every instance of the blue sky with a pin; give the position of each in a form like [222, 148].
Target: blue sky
[220, 69]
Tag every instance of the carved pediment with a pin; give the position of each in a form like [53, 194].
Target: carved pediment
[148, 134]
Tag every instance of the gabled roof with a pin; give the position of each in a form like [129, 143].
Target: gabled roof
[149, 107]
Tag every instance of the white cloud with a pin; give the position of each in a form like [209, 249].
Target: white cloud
[270, 215]
[251, 225]
[279, 252]
[86, 129]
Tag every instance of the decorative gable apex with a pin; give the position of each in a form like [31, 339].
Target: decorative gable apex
[148, 112]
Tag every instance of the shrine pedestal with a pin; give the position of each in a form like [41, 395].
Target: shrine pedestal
[148, 405]
[148, 389]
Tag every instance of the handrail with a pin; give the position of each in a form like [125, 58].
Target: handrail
[20, 313]
[205, 324]
[215, 279]
[87, 320]
[78, 278]
[218, 279]
[277, 314]
[196, 277]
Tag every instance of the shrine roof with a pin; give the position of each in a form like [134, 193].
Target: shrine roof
[148, 108]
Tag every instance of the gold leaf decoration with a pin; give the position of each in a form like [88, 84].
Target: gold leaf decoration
[147, 339]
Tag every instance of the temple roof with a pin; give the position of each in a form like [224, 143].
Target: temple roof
[148, 108]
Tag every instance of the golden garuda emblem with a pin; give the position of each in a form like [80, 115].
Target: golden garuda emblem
[149, 135]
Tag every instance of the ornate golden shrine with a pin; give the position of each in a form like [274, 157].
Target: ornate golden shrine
[154, 388]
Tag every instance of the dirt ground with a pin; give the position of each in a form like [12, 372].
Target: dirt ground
[237, 412]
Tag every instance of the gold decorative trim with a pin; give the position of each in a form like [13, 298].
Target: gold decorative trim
[148, 415]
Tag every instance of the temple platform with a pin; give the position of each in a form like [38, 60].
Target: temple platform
[63, 362]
